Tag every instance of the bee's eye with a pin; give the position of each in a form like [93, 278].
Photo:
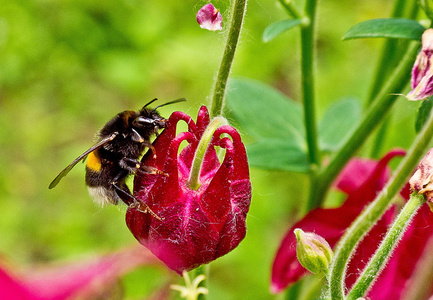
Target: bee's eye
[144, 121]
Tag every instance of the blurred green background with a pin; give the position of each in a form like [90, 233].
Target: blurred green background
[67, 67]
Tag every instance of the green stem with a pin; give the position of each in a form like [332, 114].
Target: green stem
[379, 108]
[194, 178]
[294, 291]
[380, 138]
[290, 8]
[383, 253]
[217, 104]
[385, 63]
[413, 13]
[374, 211]
[427, 9]
[389, 57]
[308, 92]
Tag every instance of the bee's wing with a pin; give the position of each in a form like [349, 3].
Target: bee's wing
[82, 156]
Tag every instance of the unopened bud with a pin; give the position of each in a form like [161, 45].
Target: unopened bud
[313, 251]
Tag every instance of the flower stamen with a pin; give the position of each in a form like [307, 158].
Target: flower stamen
[191, 290]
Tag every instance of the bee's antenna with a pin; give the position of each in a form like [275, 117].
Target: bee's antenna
[149, 103]
[168, 103]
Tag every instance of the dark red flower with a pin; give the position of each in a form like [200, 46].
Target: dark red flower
[196, 224]
[361, 179]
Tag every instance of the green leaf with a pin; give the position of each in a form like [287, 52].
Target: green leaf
[337, 123]
[264, 112]
[273, 121]
[277, 28]
[277, 155]
[386, 28]
[423, 113]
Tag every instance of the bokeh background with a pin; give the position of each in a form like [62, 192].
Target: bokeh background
[67, 67]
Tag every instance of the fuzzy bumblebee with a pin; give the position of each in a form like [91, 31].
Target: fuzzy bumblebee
[116, 155]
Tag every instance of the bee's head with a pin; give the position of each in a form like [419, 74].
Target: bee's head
[150, 118]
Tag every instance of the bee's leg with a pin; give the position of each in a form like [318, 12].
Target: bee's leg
[125, 195]
[150, 146]
[129, 164]
[151, 170]
[122, 190]
[132, 165]
[136, 137]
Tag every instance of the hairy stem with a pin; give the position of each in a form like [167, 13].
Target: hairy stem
[375, 210]
[383, 253]
[217, 104]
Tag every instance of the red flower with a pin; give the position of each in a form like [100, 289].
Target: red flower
[361, 179]
[91, 279]
[197, 223]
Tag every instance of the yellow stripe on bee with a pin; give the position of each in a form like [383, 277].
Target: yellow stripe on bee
[93, 162]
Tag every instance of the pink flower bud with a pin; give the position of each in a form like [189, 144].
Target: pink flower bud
[198, 221]
[209, 18]
[422, 73]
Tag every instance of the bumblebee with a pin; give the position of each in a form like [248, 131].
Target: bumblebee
[115, 156]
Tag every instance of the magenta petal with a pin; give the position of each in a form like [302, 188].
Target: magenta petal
[287, 270]
[235, 228]
[165, 196]
[357, 170]
[202, 120]
[354, 173]
[209, 18]
[178, 241]
[12, 289]
[240, 161]
[216, 199]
